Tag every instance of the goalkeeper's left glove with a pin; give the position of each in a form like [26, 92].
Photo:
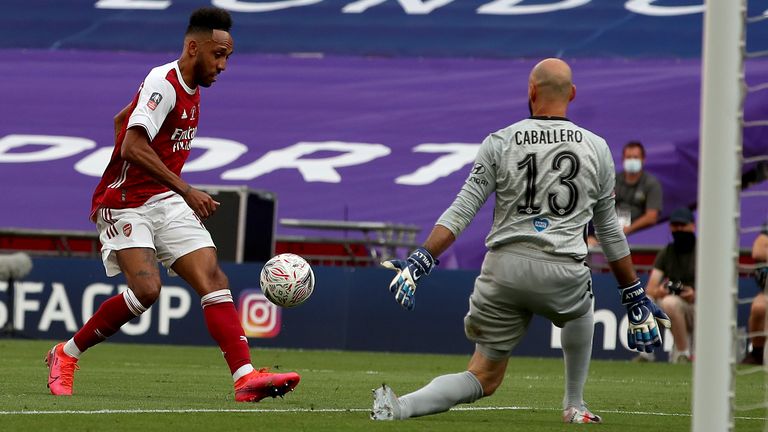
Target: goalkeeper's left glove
[643, 333]
[409, 271]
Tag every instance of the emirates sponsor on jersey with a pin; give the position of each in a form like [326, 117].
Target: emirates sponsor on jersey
[182, 138]
[184, 134]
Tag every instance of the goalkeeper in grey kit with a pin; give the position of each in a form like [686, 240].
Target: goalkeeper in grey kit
[550, 177]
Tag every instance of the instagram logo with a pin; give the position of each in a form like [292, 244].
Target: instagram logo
[259, 317]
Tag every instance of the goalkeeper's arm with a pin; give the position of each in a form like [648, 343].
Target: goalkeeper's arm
[440, 239]
[624, 271]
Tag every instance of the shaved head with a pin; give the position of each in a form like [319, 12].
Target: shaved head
[552, 79]
[550, 88]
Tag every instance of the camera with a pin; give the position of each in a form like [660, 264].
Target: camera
[675, 287]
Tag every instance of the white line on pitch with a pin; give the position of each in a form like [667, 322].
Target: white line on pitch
[186, 411]
[322, 410]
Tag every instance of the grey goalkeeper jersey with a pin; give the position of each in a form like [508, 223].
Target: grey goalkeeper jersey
[550, 178]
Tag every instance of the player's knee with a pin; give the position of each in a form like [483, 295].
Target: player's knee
[147, 292]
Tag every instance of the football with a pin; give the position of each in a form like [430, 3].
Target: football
[287, 280]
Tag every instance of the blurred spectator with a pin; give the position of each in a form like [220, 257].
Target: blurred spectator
[757, 311]
[638, 193]
[672, 283]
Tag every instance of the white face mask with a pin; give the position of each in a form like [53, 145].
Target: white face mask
[633, 166]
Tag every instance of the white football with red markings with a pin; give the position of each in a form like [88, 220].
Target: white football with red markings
[287, 280]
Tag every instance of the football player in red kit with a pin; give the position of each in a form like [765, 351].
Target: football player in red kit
[146, 213]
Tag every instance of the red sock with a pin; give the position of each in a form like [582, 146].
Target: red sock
[224, 326]
[108, 319]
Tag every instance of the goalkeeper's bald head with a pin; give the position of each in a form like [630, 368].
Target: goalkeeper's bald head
[550, 87]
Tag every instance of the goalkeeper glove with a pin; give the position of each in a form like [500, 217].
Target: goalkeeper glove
[409, 271]
[643, 333]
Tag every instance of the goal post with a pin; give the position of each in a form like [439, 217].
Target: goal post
[718, 198]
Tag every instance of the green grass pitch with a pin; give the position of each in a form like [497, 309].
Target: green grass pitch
[126, 387]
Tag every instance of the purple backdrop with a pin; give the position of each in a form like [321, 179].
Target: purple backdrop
[273, 102]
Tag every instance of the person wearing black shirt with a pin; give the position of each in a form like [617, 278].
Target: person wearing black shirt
[672, 282]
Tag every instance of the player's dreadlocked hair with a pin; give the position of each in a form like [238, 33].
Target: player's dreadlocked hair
[208, 20]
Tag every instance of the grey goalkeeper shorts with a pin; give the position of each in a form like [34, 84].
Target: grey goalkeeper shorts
[515, 285]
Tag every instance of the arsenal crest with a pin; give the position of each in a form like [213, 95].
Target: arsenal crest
[127, 229]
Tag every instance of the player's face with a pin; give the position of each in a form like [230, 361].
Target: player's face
[212, 57]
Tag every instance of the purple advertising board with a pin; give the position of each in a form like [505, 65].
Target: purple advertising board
[339, 138]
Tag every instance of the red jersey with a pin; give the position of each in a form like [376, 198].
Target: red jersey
[169, 111]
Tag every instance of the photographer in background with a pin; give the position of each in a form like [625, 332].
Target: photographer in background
[757, 310]
[672, 282]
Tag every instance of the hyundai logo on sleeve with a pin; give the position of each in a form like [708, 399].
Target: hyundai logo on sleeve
[478, 169]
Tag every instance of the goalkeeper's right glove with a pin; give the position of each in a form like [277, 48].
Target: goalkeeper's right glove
[642, 334]
[409, 271]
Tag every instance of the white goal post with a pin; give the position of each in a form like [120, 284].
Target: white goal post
[718, 198]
